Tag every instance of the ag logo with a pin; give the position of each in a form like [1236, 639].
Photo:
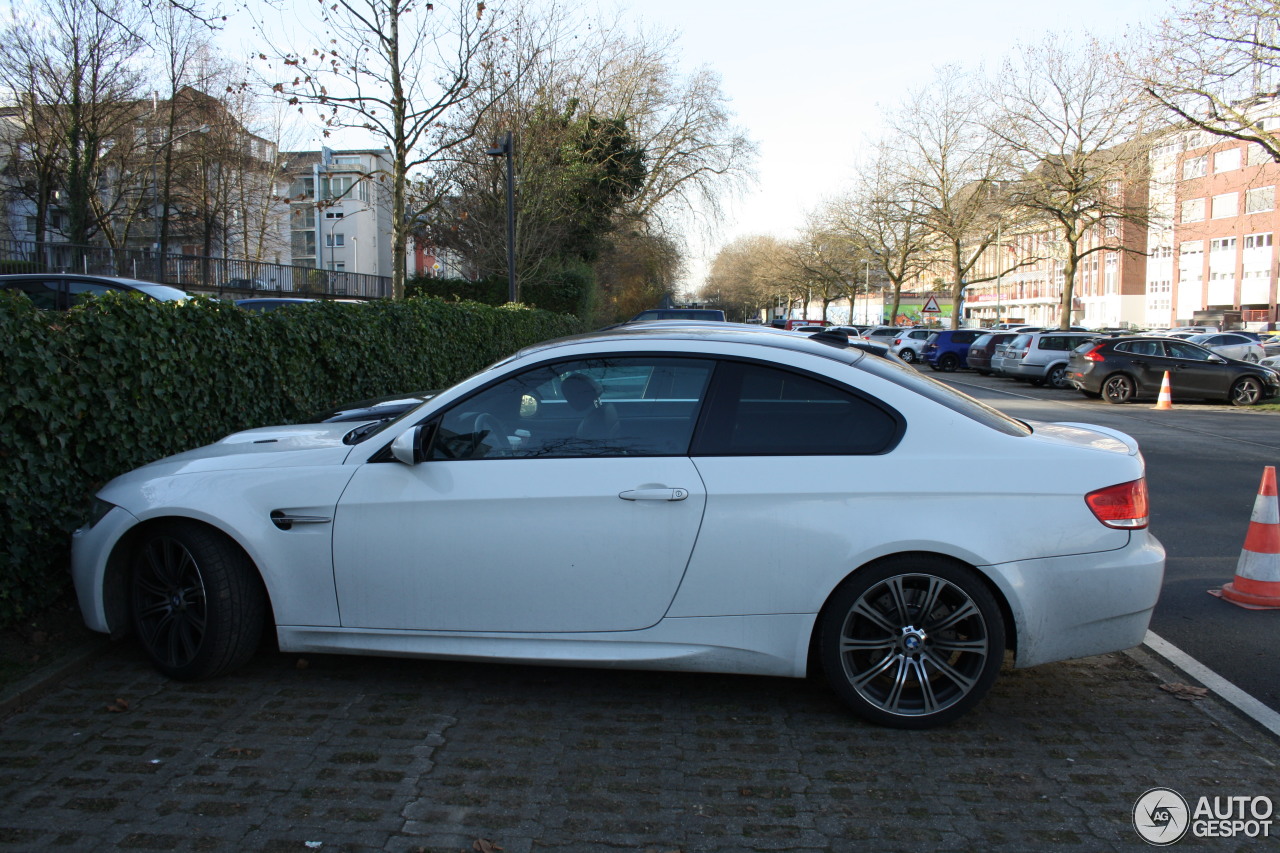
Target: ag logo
[1161, 816]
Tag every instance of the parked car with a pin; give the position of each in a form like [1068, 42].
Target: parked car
[602, 499]
[59, 291]
[1231, 345]
[1123, 369]
[1193, 330]
[1041, 357]
[947, 350]
[883, 334]
[271, 303]
[909, 344]
[980, 351]
[1271, 345]
[710, 314]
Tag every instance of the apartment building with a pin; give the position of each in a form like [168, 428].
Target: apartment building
[1213, 232]
[340, 210]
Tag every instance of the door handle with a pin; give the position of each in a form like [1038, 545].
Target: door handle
[654, 494]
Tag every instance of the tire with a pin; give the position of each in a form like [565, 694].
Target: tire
[948, 363]
[1057, 377]
[1245, 391]
[198, 603]
[1118, 388]
[913, 642]
[1252, 358]
[908, 355]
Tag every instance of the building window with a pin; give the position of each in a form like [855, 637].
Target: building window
[1225, 205]
[1226, 161]
[1194, 167]
[1223, 244]
[1257, 241]
[333, 214]
[1111, 227]
[1193, 210]
[334, 240]
[1258, 155]
[1260, 200]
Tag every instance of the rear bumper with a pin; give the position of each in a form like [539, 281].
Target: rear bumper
[1087, 604]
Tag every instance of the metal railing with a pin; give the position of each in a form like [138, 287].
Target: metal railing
[193, 273]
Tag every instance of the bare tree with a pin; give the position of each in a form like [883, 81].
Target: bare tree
[948, 166]
[73, 72]
[885, 221]
[397, 69]
[1216, 66]
[744, 277]
[1073, 125]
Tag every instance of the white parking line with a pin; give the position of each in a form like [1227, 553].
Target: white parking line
[1259, 712]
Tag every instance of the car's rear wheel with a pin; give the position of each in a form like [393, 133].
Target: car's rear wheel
[198, 604]
[907, 354]
[1118, 388]
[1246, 391]
[1057, 377]
[912, 642]
[1250, 357]
[948, 363]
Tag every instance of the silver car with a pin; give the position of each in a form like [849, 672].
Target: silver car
[1231, 345]
[908, 344]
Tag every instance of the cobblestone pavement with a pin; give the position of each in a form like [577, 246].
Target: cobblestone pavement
[347, 753]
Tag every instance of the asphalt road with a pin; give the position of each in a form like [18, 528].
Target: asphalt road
[1204, 465]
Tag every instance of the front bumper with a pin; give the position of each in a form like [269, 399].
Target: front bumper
[91, 549]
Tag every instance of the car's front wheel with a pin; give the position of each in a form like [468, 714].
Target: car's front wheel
[912, 642]
[198, 604]
[1118, 388]
[1246, 391]
[907, 354]
[948, 363]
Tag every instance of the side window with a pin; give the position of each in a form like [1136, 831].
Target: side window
[633, 406]
[1187, 352]
[95, 288]
[766, 411]
[43, 294]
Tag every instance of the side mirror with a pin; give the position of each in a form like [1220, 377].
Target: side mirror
[1217, 359]
[412, 445]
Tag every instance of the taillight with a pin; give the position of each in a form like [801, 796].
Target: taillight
[897, 342]
[1092, 355]
[1123, 506]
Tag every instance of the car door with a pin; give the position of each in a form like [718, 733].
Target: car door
[1194, 374]
[559, 499]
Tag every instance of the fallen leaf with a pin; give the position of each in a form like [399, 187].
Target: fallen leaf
[301, 664]
[484, 845]
[119, 706]
[1185, 691]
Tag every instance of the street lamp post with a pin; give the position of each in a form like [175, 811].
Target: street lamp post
[505, 147]
[866, 289]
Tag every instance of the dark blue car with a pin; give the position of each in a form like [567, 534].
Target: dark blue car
[946, 351]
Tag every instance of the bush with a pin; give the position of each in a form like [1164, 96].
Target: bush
[120, 380]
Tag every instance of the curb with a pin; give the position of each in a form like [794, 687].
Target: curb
[26, 691]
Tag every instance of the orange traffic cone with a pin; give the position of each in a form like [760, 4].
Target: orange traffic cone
[1257, 582]
[1166, 396]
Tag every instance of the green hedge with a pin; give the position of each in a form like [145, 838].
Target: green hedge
[120, 381]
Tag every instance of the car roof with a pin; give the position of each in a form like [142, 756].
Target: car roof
[828, 344]
[163, 292]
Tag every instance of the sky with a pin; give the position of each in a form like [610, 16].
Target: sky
[808, 80]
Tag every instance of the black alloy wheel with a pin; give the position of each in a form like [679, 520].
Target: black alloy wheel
[1118, 388]
[198, 604]
[912, 643]
[1246, 391]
